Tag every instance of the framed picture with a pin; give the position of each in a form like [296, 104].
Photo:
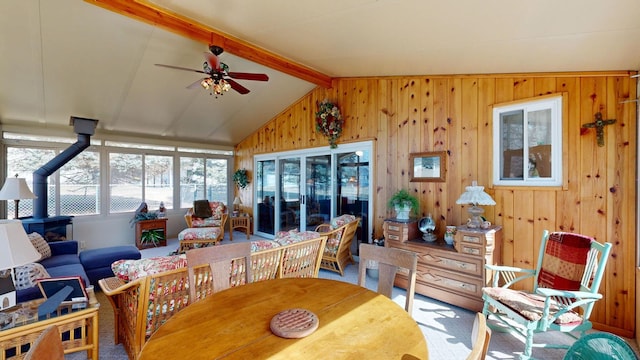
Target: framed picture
[428, 166]
[51, 286]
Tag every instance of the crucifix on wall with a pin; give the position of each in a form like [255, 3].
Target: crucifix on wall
[599, 124]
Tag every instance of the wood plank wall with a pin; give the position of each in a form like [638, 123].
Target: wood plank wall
[452, 113]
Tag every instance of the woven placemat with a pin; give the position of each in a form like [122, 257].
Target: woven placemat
[294, 323]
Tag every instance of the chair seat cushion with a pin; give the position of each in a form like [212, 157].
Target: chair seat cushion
[530, 306]
[129, 270]
[205, 222]
[199, 233]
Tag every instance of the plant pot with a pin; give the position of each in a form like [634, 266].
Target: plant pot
[402, 213]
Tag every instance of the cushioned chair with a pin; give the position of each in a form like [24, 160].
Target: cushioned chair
[340, 233]
[47, 346]
[389, 260]
[213, 269]
[600, 345]
[566, 281]
[480, 337]
[206, 222]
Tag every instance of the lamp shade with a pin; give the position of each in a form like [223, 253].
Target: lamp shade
[15, 247]
[237, 201]
[16, 188]
[475, 195]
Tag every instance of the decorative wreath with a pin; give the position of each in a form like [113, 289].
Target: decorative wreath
[329, 122]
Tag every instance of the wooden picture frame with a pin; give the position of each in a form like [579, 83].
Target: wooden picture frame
[428, 166]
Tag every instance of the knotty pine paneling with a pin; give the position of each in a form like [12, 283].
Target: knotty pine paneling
[453, 113]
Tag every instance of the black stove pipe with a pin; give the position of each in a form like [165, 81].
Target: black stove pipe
[84, 128]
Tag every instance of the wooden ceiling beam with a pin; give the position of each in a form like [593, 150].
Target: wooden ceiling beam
[191, 29]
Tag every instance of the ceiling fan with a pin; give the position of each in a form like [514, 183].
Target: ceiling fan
[219, 79]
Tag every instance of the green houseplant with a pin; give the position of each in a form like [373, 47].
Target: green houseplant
[241, 178]
[403, 203]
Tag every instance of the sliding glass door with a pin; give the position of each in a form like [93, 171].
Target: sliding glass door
[302, 189]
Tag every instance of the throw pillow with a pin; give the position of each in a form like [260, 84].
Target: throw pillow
[202, 209]
[41, 245]
[26, 276]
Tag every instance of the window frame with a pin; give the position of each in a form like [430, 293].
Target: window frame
[556, 103]
[22, 138]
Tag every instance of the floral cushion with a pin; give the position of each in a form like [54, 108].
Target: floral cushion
[41, 245]
[129, 270]
[217, 209]
[529, 306]
[205, 222]
[295, 236]
[258, 245]
[200, 233]
[338, 221]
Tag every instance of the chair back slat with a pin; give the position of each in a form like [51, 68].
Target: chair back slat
[389, 260]
[215, 268]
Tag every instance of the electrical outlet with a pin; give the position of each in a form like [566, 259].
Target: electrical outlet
[83, 245]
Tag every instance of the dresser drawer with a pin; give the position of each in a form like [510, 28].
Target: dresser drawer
[451, 261]
[451, 281]
[470, 249]
[400, 231]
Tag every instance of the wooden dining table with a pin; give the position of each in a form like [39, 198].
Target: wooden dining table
[354, 323]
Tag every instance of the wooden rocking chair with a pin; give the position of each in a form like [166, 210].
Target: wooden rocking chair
[337, 251]
[567, 277]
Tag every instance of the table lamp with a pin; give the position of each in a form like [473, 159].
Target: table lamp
[475, 195]
[16, 189]
[15, 250]
[236, 205]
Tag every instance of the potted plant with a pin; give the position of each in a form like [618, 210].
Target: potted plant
[240, 178]
[403, 203]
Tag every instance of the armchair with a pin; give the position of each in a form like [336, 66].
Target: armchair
[340, 233]
[566, 281]
[203, 229]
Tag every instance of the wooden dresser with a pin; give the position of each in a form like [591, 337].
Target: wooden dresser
[453, 274]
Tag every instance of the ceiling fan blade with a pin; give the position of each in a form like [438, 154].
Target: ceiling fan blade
[195, 84]
[180, 68]
[248, 76]
[237, 87]
[213, 61]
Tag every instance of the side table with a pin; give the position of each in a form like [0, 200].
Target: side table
[78, 326]
[240, 222]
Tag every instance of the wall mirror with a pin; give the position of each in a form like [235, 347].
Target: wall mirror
[428, 166]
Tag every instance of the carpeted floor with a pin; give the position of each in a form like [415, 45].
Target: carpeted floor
[447, 328]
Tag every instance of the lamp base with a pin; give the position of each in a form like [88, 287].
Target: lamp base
[475, 219]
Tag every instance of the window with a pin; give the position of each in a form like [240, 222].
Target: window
[113, 177]
[527, 147]
[80, 185]
[125, 182]
[203, 178]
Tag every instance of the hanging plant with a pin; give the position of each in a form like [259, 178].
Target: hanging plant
[329, 122]
[240, 178]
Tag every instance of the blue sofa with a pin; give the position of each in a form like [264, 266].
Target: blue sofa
[91, 265]
[64, 261]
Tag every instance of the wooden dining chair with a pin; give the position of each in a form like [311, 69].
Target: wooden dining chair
[48, 346]
[215, 268]
[480, 336]
[389, 260]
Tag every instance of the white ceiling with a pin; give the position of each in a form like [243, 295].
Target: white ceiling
[70, 58]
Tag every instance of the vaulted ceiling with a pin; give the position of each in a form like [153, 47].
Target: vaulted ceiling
[72, 58]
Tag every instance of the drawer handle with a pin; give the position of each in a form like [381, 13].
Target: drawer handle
[393, 237]
[394, 228]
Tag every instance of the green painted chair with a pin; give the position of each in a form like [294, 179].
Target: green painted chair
[600, 345]
[567, 276]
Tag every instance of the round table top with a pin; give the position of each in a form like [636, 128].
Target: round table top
[354, 323]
